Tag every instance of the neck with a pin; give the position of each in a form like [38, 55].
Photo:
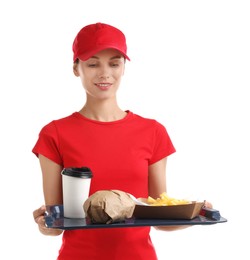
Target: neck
[102, 111]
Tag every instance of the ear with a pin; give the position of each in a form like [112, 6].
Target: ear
[124, 67]
[123, 70]
[75, 69]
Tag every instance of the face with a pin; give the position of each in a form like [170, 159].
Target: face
[101, 74]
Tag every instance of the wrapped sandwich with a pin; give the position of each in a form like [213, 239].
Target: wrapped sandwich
[109, 206]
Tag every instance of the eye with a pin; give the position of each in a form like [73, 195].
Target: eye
[92, 65]
[114, 64]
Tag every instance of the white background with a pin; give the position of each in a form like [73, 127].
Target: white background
[189, 69]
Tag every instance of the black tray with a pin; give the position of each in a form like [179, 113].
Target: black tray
[54, 219]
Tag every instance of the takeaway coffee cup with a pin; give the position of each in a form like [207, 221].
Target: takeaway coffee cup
[76, 185]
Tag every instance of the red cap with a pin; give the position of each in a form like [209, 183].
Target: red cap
[97, 37]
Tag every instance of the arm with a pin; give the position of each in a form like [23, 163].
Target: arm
[52, 189]
[157, 185]
[52, 181]
[157, 178]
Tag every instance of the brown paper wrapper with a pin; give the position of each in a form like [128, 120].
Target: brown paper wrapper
[109, 206]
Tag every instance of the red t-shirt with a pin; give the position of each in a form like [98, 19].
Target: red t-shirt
[118, 153]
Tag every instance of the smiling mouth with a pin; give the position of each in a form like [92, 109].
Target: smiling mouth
[103, 86]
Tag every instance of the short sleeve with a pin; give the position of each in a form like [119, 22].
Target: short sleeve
[48, 143]
[162, 145]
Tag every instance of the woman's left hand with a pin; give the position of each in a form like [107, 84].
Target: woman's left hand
[208, 204]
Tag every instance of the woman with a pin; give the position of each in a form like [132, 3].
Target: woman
[124, 151]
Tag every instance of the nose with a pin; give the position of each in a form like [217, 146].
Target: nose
[104, 72]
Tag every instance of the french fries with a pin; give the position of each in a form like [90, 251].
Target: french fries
[165, 200]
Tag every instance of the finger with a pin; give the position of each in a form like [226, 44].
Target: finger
[41, 224]
[208, 205]
[40, 221]
[39, 212]
[46, 230]
[42, 227]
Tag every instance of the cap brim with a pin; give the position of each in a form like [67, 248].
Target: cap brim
[88, 55]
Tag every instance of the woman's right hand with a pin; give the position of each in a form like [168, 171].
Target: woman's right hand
[39, 218]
